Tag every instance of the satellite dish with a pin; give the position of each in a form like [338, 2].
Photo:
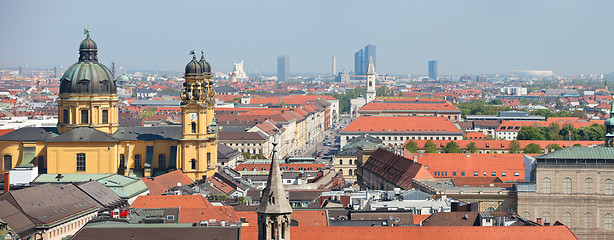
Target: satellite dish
[178, 184]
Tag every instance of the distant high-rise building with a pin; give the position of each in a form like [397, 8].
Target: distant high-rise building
[369, 54]
[361, 59]
[334, 65]
[239, 71]
[114, 69]
[283, 68]
[358, 62]
[433, 70]
[25, 71]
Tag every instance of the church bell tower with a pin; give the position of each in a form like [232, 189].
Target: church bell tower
[198, 143]
[274, 209]
[370, 83]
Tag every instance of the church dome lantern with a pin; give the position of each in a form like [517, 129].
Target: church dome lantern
[88, 75]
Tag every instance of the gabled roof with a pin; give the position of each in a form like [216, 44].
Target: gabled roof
[84, 134]
[394, 168]
[16, 220]
[160, 184]
[103, 195]
[168, 201]
[402, 125]
[46, 204]
[226, 152]
[30, 134]
[148, 133]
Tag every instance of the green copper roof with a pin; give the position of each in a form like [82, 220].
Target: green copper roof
[124, 186]
[580, 153]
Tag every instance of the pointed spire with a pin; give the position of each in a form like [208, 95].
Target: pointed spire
[274, 199]
[612, 108]
[371, 68]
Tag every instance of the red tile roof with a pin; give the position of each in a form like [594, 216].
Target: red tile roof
[502, 144]
[408, 124]
[394, 168]
[560, 232]
[171, 201]
[284, 166]
[459, 162]
[162, 183]
[410, 106]
[219, 213]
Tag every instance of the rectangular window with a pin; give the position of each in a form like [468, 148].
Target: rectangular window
[105, 116]
[193, 127]
[516, 174]
[463, 174]
[475, 174]
[138, 161]
[208, 159]
[65, 115]
[503, 174]
[85, 116]
[453, 173]
[484, 174]
[170, 217]
[80, 162]
[494, 174]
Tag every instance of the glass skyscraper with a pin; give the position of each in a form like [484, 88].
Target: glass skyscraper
[283, 68]
[433, 70]
[361, 59]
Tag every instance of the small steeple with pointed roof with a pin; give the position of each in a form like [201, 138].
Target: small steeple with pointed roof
[371, 68]
[274, 199]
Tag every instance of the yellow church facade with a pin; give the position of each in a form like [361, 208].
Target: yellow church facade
[89, 139]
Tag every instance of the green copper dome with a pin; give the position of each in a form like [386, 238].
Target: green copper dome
[88, 75]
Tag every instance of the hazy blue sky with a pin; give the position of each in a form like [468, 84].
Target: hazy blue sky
[466, 36]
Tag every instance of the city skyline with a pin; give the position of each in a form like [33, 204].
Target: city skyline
[468, 37]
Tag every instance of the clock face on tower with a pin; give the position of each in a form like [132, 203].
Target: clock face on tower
[193, 116]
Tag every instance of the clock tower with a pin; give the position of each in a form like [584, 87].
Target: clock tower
[198, 143]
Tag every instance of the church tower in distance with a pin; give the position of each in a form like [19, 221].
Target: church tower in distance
[274, 210]
[371, 76]
[198, 143]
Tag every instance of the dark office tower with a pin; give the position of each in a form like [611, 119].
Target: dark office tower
[369, 52]
[283, 68]
[433, 70]
[358, 62]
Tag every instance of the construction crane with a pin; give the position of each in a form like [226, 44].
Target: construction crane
[38, 86]
[4, 70]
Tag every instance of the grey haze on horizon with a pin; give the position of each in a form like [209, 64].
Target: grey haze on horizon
[471, 36]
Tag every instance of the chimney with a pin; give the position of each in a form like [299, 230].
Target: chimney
[539, 221]
[415, 158]
[7, 182]
[468, 154]
[420, 154]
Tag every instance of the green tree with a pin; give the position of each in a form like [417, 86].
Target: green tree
[383, 91]
[430, 147]
[553, 146]
[496, 102]
[412, 146]
[530, 133]
[451, 147]
[532, 148]
[559, 103]
[514, 146]
[471, 147]
[148, 112]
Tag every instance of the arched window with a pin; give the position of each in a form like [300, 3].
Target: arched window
[608, 187]
[138, 161]
[85, 116]
[546, 217]
[567, 186]
[105, 116]
[80, 162]
[588, 186]
[350, 162]
[350, 172]
[567, 219]
[546, 185]
[490, 209]
[208, 159]
[8, 162]
[65, 115]
[588, 220]
[340, 161]
[193, 162]
[161, 161]
[607, 221]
